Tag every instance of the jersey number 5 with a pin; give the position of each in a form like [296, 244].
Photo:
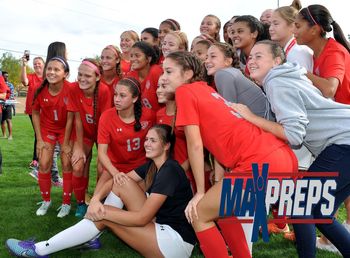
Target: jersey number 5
[133, 144]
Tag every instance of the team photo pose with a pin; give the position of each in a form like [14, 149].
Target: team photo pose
[168, 235]
[50, 124]
[209, 122]
[304, 116]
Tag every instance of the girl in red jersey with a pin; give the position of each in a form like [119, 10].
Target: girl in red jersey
[209, 122]
[50, 124]
[127, 40]
[33, 81]
[166, 115]
[211, 25]
[111, 67]
[146, 70]
[122, 130]
[331, 74]
[89, 99]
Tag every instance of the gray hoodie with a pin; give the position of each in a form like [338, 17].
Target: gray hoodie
[307, 117]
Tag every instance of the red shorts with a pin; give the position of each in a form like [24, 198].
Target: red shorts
[52, 137]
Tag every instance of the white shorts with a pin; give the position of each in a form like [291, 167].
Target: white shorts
[171, 243]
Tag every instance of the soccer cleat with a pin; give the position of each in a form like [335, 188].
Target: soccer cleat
[93, 244]
[56, 180]
[273, 229]
[81, 210]
[24, 248]
[64, 210]
[34, 164]
[43, 208]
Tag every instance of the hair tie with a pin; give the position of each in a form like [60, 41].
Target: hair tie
[113, 49]
[307, 8]
[92, 66]
[61, 60]
[133, 83]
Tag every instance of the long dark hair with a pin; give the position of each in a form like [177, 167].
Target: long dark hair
[166, 136]
[55, 49]
[135, 89]
[319, 15]
[46, 82]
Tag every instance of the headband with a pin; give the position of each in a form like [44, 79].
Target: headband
[92, 66]
[173, 24]
[133, 83]
[307, 8]
[111, 47]
[61, 60]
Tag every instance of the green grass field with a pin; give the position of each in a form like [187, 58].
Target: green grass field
[19, 194]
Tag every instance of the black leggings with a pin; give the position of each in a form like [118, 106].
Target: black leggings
[35, 157]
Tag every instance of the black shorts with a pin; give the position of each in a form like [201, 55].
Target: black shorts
[6, 113]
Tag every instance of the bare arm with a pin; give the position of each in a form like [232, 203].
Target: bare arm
[105, 161]
[24, 78]
[327, 86]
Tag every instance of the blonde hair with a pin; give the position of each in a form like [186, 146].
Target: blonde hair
[182, 39]
[132, 34]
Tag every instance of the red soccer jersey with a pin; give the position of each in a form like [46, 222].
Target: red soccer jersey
[232, 140]
[33, 83]
[53, 109]
[111, 86]
[125, 146]
[180, 148]
[334, 61]
[3, 88]
[125, 66]
[149, 86]
[85, 106]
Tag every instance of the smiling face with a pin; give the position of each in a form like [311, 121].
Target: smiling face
[126, 42]
[138, 59]
[216, 60]
[123, 99]
[201, 51]
[108, 60]
[154, 146]
[170, 44]
[241, 35]
[55, 72]
[209, 26]
[38, 66]
[261, 61]
[86, 77]
[173, 76]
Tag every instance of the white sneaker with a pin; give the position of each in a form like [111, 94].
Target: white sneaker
[328, 247]
[64, 210]
[43, 208]
[346, 226]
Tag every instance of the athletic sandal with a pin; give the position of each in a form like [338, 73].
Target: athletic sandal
[43, 208]
[328, 247]
[25, 248]
[64, 210]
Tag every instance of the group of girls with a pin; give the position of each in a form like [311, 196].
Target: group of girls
[238, 124]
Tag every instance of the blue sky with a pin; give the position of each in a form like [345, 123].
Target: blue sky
[86, 26]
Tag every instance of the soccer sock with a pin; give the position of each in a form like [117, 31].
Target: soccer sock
[67, 187]
[113, 200]
[45, 185]
[78, 188]
[80, 233]
[211, 243]
[234, 236]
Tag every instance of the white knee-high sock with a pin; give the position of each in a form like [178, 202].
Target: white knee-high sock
[80, 233]
[113, 200]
